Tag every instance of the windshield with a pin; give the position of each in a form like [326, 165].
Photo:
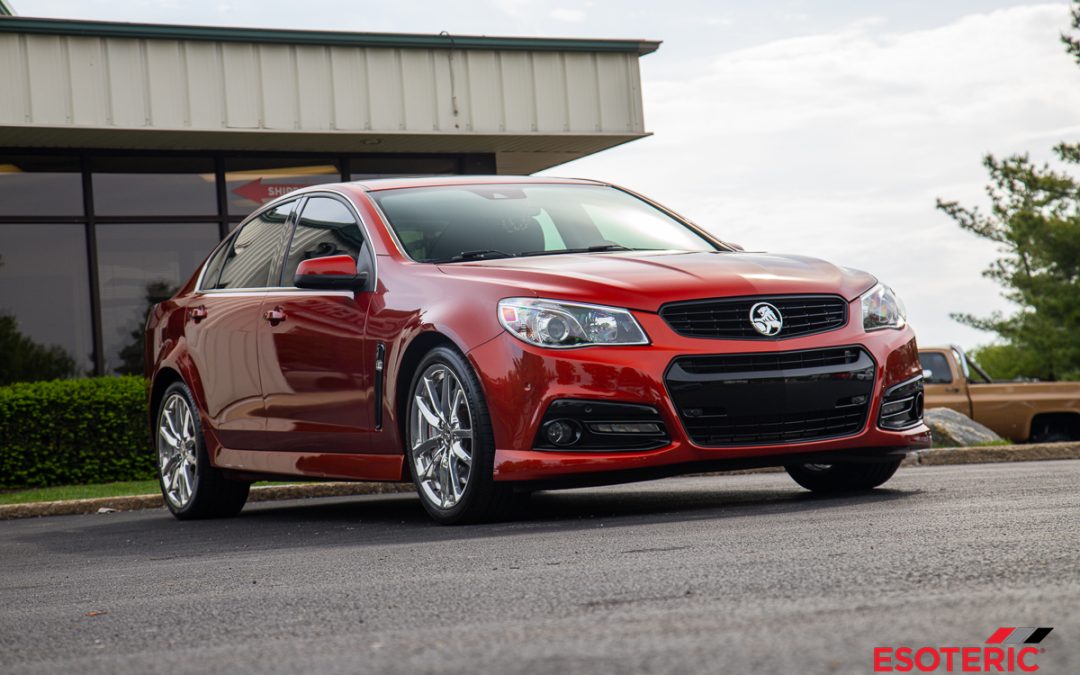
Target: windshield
[471, 222]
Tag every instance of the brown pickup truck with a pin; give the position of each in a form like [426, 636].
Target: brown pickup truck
[1039, 412]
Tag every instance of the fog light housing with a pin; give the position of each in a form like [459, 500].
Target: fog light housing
[902, 405]
[580, 425]
[562, 433]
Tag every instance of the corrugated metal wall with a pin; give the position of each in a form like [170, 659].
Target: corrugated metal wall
[118, 83]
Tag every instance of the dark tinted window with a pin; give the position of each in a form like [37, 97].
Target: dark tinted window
[40, 186]
[253, 252]
[45, 327]
[438, 223]
[139, 266]
[152, 186]
[938, 366]
[326, 227]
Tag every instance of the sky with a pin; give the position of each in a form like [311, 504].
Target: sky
[818, 128]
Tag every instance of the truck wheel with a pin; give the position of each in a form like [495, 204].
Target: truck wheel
[1055, 429]
[842, 477]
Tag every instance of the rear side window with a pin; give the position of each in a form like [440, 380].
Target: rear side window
[326, 227]
[938, 366]
[251, 255]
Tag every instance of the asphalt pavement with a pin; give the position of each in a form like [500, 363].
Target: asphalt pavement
[738, 574]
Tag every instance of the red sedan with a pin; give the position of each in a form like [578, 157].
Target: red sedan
[486, 337]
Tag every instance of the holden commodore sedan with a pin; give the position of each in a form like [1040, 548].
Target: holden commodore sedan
[485, 337]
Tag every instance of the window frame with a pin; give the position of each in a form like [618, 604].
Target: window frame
[365, 231]
[227, 241]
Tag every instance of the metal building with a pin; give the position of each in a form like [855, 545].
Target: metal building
[127, 150]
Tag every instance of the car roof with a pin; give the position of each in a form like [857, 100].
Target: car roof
[376, 184]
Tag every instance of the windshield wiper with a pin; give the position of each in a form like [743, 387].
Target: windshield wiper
[598, 248]
[480, 254]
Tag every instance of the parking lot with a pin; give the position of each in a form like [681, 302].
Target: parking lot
[714, 573]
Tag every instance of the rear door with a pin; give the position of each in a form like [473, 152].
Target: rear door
[222, 326]
[316, 367]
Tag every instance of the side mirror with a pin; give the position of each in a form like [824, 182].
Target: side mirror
[927, 373]
[333, 272]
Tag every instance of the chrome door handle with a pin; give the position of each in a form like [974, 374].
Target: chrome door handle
[198, 314]
[274, 316]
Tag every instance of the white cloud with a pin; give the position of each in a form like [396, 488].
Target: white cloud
[568, 15]
[837, 144]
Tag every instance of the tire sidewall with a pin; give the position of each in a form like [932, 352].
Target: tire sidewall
[483, 443]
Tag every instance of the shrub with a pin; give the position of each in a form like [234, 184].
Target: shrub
[69, 432]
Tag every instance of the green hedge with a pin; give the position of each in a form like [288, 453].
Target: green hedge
[70, 432]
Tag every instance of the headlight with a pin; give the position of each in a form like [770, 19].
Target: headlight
[549, 323]
[882, 309]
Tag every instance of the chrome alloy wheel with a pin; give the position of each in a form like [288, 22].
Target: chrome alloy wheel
[177, 459]
[441, 436]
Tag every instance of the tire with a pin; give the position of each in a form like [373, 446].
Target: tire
[842, 477]
[191, 486]
[449, 443]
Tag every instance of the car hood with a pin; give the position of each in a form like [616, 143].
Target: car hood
[647, 280]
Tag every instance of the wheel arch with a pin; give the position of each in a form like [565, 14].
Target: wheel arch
[163, 379]
[406, 370]
[1066, 421]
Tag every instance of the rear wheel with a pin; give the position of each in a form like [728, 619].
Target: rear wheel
[842, 477]
[191, 486]
[450, 446]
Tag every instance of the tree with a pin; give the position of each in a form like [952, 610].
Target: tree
[23, 360]
[1034, 216]
[131, 354]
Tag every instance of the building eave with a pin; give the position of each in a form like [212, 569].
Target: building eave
[113, 29]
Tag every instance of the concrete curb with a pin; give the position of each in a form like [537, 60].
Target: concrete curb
[267, 493]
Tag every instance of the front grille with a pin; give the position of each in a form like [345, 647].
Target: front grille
[759, 363]
[784, 397]
[729, 318]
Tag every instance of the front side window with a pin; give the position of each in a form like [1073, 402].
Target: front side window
[938, 366]
[251, 255]
[440, 224]
[326, 227]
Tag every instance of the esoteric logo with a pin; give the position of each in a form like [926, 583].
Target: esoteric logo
[1008, 650]
[766, 319]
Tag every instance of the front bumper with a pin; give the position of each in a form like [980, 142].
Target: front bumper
[521, 382]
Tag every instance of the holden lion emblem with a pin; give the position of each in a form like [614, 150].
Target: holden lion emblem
[766, 319]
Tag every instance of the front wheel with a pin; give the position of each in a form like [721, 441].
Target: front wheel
[191, 486]
[450, 445]
[842, 477]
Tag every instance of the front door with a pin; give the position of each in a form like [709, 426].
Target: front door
[942, 386]
[316, 369]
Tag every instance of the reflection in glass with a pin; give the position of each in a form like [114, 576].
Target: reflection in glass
[326, 227]
[255, 251]
[154, 186]
[40, 186]
[45, 329]
[138, 266]
[250, 183]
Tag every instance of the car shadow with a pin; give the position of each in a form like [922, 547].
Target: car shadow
[400, 519]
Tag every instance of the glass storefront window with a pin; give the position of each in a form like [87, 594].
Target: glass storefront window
[45, 322]
[154, 186]
[40, 186]
[362, 168]
[250, 183]
[138, 266]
